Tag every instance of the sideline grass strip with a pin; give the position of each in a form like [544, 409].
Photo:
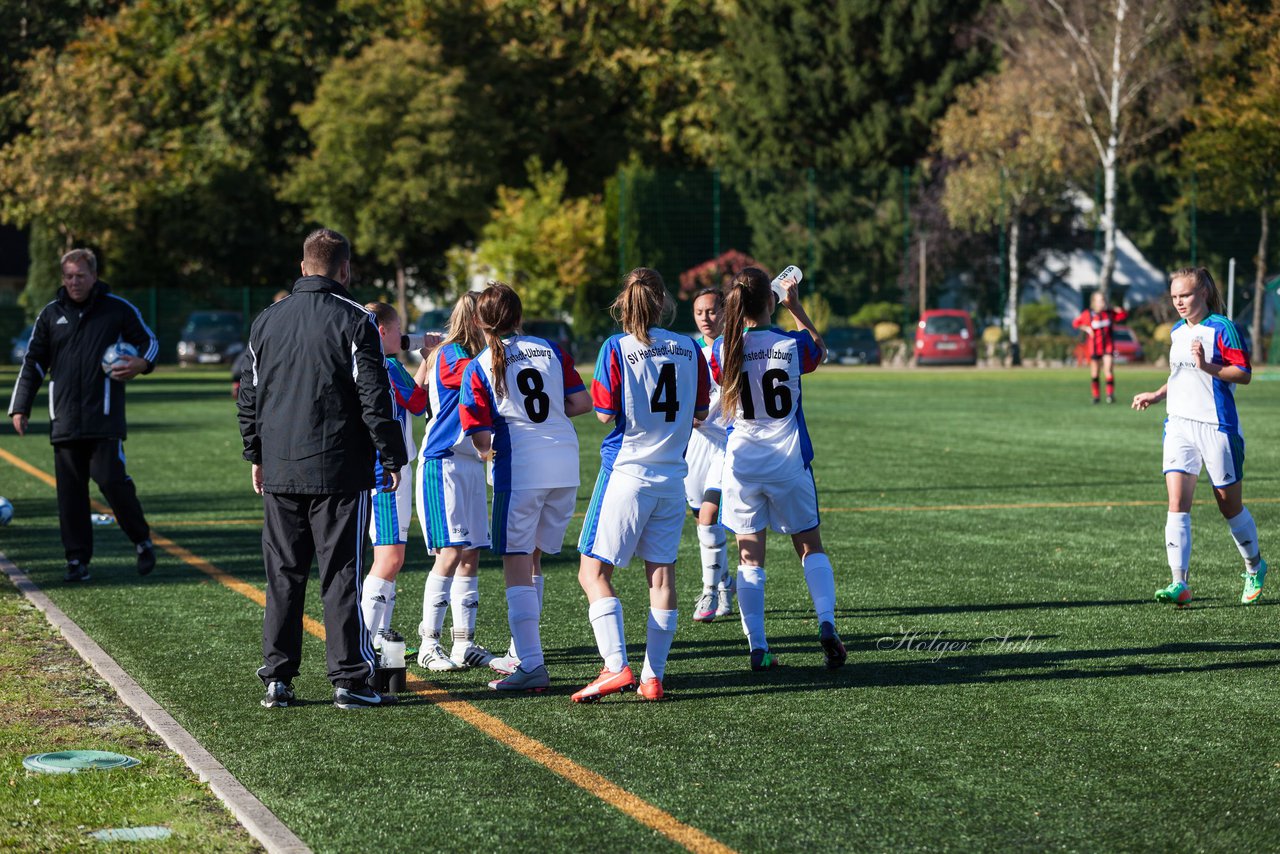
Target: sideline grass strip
[53, 701]
[585, 779]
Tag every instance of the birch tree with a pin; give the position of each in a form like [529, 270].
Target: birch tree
[1013, 152]
[1112, 67]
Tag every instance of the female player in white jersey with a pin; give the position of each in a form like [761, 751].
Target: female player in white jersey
[389, 527]
[767, 479]
[517, 398]
[452, 504]
[1206, 360]
[702, 484]
[651, 383]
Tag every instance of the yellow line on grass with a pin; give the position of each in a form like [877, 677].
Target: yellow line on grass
[587, 780]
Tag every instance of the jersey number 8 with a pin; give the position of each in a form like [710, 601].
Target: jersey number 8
[777, 395]
[537, 403]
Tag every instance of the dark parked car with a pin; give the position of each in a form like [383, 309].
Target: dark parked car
[851, 345]
[211, 338]
[18, 346]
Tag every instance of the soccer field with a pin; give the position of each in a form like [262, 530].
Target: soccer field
[1010, 684]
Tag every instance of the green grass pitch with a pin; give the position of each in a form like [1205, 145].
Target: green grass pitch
[1106, 721]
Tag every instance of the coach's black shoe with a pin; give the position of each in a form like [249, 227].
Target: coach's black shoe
[363, 697]
[146, 557]
[279, 695]
[833, 650]
[76, 571]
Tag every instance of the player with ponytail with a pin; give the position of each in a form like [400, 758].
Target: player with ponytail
[768, 482]
[651, 384]
[452, 504]
[518, 395]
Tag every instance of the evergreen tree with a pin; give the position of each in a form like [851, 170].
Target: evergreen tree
[850, 89]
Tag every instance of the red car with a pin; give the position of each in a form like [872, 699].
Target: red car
[944, 336]
[1127, 347]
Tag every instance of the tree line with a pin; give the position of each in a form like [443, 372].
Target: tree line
[194, 141]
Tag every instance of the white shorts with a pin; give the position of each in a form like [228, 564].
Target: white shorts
[389, 522]
[452, 506]
[1189, 444]
[625, 518]
[788, 507]
[528, 519]
[706, 463]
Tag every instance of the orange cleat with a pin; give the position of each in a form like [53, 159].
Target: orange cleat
[650, 689]
[607, 682]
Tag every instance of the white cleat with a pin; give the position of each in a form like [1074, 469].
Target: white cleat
[470, 654]
[433, 657]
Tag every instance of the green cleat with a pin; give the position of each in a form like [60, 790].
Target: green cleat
[1253, 584]
[1177, 593]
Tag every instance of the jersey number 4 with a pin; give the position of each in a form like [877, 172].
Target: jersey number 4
[777, 395]
[663, 398]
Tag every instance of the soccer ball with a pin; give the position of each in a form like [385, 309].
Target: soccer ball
[6, 510]
[115, 354]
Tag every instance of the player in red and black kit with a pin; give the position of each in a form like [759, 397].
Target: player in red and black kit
[1099, 322]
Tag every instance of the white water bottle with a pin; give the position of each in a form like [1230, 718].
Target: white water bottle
[780, 289]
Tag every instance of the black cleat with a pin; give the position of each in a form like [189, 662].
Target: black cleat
[76, 572]
[146, 557]
[763, 659]
[279, 695]
[360, 698]
[832, 647]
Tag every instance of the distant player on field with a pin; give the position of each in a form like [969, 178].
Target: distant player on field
[702, 484]
[1206, 360]
[452, 504]
[389, 525]
[767, 479]
[517, 398]
[1099, 324]
[651, 383]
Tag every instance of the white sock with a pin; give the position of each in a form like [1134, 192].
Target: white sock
[522, 617]
[662, 630]
[537, 585]
[711, 542]
[391, 606]
[821, 580]
[1177, 542]
[435, 603]
[606, 622]
[1245, 533]
[751, 604]
[465, 597]
[373, 604]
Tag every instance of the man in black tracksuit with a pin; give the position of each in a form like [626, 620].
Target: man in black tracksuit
[86, 406]
[315, 404]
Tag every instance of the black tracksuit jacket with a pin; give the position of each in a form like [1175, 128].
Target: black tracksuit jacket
[67, 343]
[315, 401]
